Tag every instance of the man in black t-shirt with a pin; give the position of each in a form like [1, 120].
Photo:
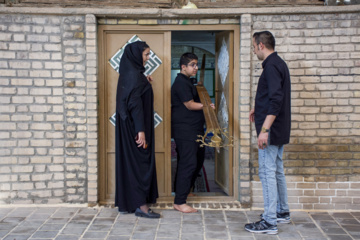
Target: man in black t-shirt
[187, 122]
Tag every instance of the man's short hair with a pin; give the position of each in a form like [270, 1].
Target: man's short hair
[186, 58]
[265, 38]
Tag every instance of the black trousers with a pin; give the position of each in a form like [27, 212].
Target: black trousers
[190, 159]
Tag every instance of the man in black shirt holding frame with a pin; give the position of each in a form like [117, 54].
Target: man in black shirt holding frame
[272, 116]
[187, 122]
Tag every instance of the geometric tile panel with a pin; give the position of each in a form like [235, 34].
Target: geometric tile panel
[157, 119]
[151, 65]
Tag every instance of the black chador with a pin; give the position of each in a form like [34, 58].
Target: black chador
[136, 182]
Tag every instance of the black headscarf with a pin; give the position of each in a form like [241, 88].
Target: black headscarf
[131, 75]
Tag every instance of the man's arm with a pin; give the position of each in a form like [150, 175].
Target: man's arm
[263, 136]
[193, 106]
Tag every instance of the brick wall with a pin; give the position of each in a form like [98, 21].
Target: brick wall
[44, 109]
[323, 55]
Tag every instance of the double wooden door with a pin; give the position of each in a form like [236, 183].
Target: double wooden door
[111, 39]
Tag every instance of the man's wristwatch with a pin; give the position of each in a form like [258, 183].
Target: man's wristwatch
[264, 130]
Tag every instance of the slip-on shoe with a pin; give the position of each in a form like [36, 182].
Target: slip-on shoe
[149, 214]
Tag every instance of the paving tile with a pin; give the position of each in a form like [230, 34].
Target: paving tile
[7, 226]
[21, 212]
[37, 216]
[218, 221]
[170, 214]
[230, 213]
[76, 224]
[88, 211]
[241, 238]
[49, 210]
[339, 237]
[108, 213]
[213, 214]
[265, 237]
[41, 238]
[342, 215]
[170, 220]
[124, 225]
[73, 231]
[169, 227]
[301, 219]
[331, 230]
[12, 220]
[84, 218]
[318, 217]
[351, 228]
[216, 235]
[17, 237]
[216, 228]
[60, 214]
[146, 236]
[119, 238]
[168, 234]
[148, 221]
[57, 220]
[192, 218]
[70, 209]
[237, 219]
[324, 224]
[195, 225]
[4, 232]
[121, 231]
[316, 238]
[348, 221]
[5, 210]
[94, 227]
[104, 221]
[67, 237]
[51, 227]
[289, 235]
[45, 234]
[24, 230]
[145, 228]
[192, 237]
[355, 214]
[101, 235]
[128, 218]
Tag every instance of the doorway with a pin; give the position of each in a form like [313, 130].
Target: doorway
[165, 41]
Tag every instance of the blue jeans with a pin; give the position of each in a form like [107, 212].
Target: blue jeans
[272, 177]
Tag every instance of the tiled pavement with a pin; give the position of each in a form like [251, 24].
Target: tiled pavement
[68, 223]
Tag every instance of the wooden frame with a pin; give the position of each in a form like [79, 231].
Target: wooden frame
[235, 85]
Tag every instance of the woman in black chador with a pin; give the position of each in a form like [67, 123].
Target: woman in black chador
[136, 183]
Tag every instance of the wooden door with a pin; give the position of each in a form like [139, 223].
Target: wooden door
[110, 41]
[224, 47]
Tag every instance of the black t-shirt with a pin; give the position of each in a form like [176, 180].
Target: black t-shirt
[185, 124]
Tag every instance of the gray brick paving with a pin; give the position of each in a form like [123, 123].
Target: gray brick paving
[72, 223]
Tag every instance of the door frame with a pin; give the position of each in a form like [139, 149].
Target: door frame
[235, 111]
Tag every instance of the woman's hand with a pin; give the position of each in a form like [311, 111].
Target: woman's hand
[140, 140]
[252, 115]
[212, 106]
[149, 78]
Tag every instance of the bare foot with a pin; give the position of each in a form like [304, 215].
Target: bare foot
[184, 208]
[191, 195]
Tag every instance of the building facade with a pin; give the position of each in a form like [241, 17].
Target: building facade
[51, 78]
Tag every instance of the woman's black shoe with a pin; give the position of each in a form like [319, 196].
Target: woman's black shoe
[149, 214]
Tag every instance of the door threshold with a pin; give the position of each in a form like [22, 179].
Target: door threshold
[205, 205]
